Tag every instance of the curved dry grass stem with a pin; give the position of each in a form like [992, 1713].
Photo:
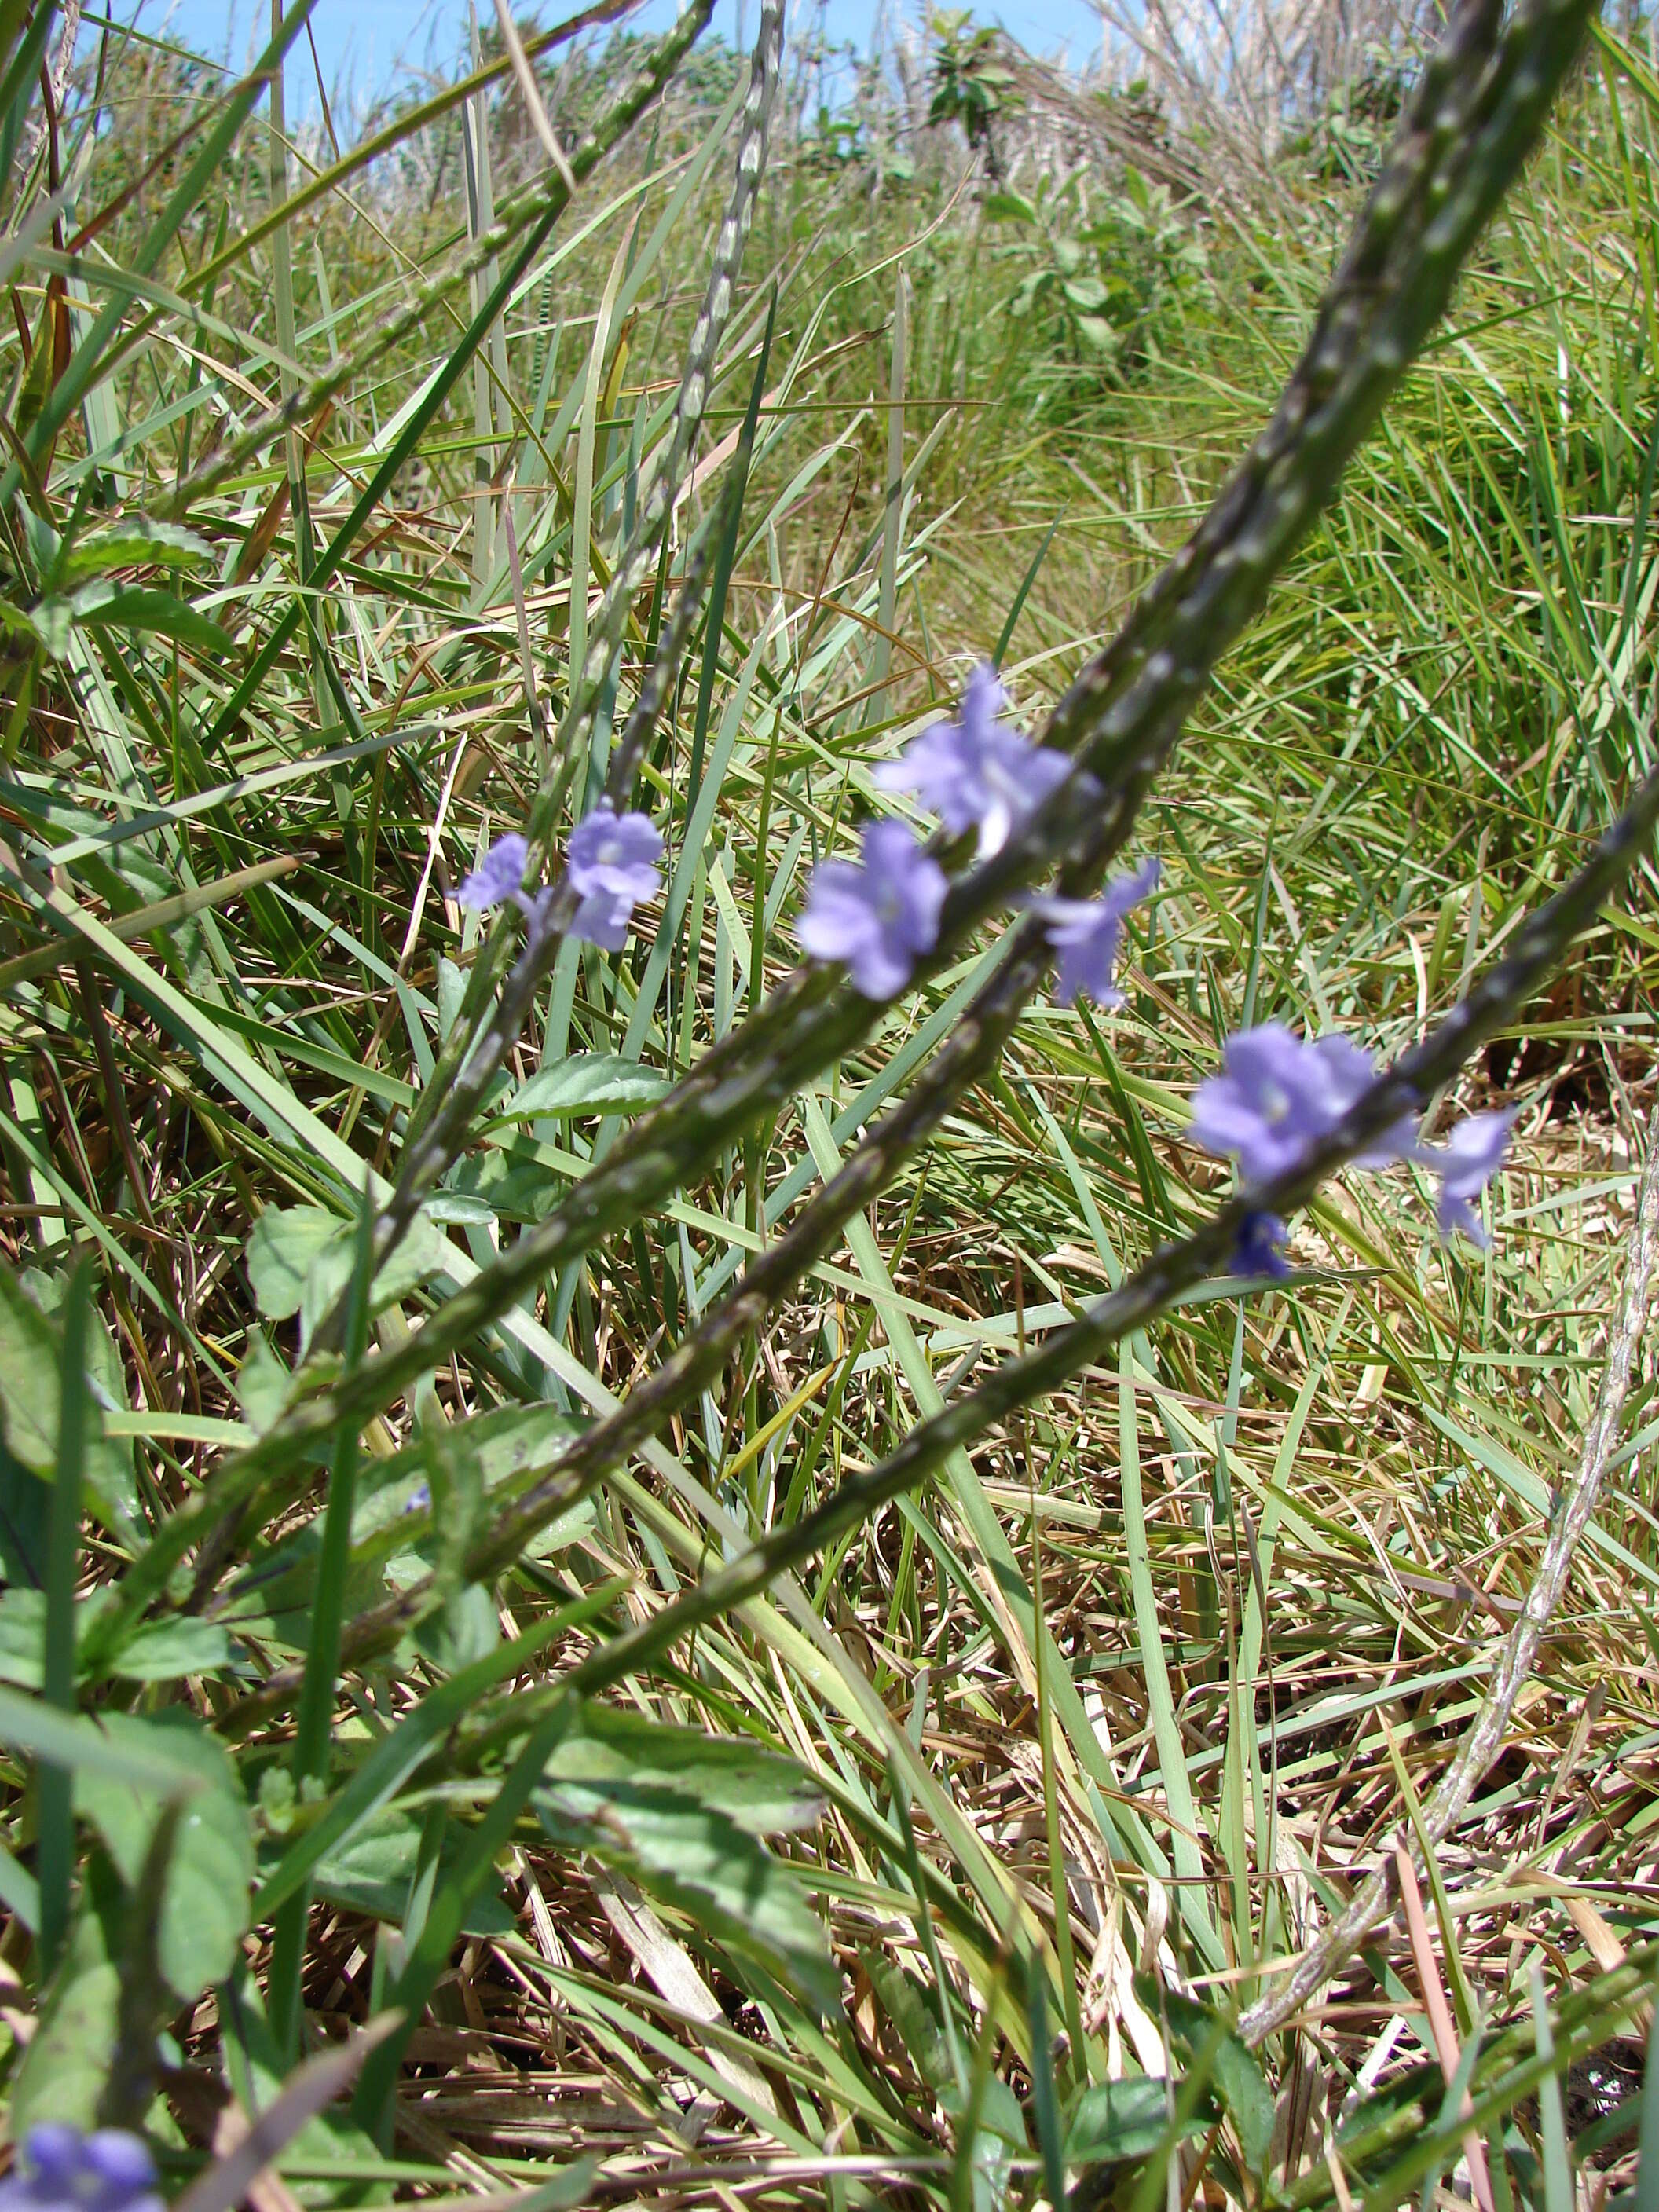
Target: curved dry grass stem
[1374, 1901]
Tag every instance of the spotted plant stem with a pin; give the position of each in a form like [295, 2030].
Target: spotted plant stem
[487, 1027]
[1489, 1006]
[1476, 113]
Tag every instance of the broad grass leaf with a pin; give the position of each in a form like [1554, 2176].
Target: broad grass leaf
[758, 1790]
[203, 1912]
[695, 1859]
[585, 1083]
[30, 1367]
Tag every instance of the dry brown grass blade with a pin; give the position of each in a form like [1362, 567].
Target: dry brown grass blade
[1440, 2019]
[309, 2090]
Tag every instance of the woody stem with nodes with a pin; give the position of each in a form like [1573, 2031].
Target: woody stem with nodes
[1475, 115]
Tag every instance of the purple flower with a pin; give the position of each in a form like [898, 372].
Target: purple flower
[61, 2170]
[877, 916]
[1466, 1163]
[613, 862]
[1260, 1248]
[1085, 933]
[973, 773]
[1278, 1094]
[499, 875]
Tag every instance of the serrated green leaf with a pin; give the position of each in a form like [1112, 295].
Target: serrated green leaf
[585, 1083]
[125, 544]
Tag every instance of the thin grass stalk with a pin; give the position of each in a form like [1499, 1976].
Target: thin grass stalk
[90, 357]
[528, 216]
[449, 1100]
[54, 1785]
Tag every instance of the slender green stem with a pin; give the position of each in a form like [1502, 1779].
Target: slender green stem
[54, 1785]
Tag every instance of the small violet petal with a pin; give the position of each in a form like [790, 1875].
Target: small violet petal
[1086, 934]
[1260, 1248]
[878, 915]
[1471, 1155]
[498, 874]
[976, 774]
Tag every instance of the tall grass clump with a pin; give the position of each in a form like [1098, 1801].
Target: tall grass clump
[828, 1026]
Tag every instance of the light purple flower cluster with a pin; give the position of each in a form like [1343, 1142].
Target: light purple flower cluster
[611, 868]
[612, 861]
[1279, 1094]
[61, 2170]
[879, 915]
[974, 774]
